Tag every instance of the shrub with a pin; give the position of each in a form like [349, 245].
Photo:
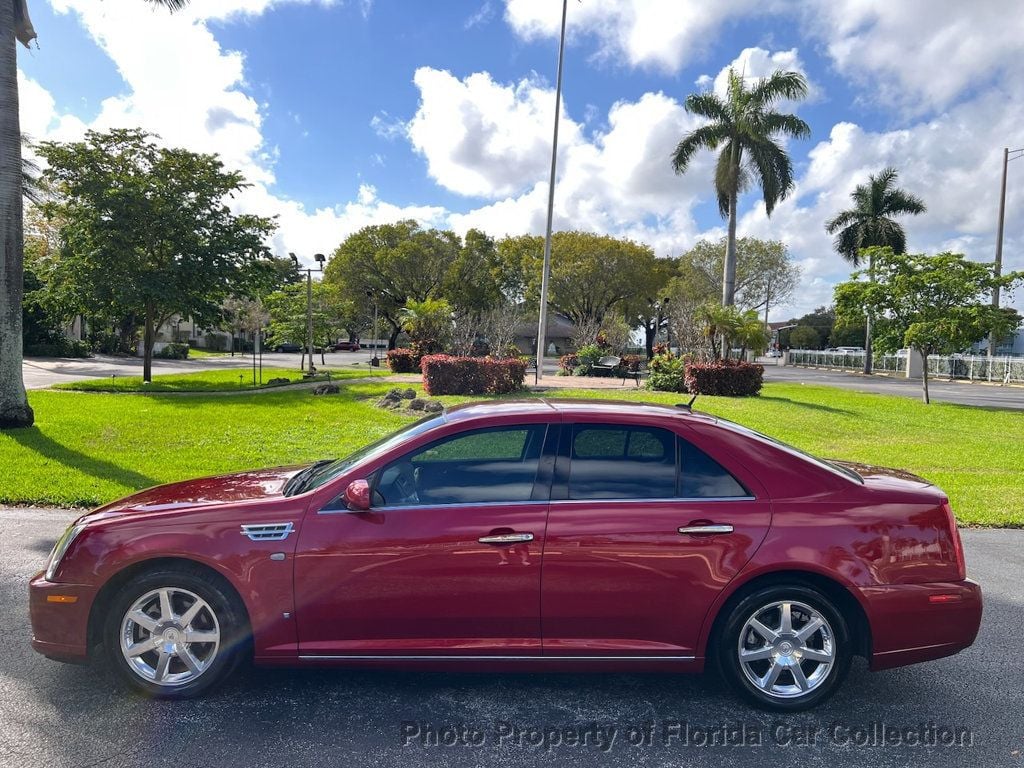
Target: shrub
[568, 363]
[402, 361]
[667, 372]
[173, 351]
[732, 378]
[447, 375]
[60, 347]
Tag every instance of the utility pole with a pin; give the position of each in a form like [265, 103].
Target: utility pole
[542, 323]
[320, 259]
[998, 236]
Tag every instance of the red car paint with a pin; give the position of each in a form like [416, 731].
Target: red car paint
[621, 588]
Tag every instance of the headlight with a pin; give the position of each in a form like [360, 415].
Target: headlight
[61, 547]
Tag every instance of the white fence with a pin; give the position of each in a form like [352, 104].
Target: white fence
[1004, 370]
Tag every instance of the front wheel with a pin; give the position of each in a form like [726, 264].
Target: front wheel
[173, 633]
[785, 648]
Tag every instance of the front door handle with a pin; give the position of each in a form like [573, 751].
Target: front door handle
[698, 530]
[506, 538]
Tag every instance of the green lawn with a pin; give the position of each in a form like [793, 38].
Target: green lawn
[221, 380]
[194, 353]
[87, 448]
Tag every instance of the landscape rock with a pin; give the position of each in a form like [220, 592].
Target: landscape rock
[326, 389]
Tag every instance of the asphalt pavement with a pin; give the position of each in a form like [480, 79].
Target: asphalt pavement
[941, 390]
[56, 715]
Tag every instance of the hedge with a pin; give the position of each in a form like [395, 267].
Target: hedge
[402, 360]
[173, 351]
[732, 378]
[448, 375]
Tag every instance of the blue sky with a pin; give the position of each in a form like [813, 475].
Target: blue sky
[350, 113]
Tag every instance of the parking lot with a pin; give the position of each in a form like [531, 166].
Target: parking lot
[58, 715]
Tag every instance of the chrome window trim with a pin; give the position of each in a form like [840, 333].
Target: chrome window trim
[356, 657]
[532, 502]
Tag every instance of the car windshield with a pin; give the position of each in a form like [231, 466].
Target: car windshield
[849, 474]
[322, 472]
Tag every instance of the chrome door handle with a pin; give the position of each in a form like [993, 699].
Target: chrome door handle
[706, 529]
[506, 538]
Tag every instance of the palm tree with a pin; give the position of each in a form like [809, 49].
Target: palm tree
[15, 27]
[870, 223]
[744, 125]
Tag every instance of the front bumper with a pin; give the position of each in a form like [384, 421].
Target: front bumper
[60, 618]
[920, 622]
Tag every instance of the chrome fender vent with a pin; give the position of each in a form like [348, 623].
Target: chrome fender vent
[268, 531]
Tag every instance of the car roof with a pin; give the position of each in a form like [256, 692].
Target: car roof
[570, 406]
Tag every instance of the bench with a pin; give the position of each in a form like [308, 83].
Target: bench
[607, 363]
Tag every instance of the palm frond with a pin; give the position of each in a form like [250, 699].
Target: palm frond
[775, 170]
[848, 243]
[730, 177]
[707, 105]
[171, 5]
[706, 137]
[778, 85]
[841, 220]
[898, 201]
[790, 125]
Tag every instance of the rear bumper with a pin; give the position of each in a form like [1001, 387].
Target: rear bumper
[60, 618]
[920, 622]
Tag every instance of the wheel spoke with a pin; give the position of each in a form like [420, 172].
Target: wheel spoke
[201, 636]
[786, 618]
[768, 681]
[757, 654]
[815, 655]
[144, 620]
[188, 616]
[799, 677]
[166, 611]
[768, 634]
[161, 666]
[809, 629]
[143, 646]
[190, 661]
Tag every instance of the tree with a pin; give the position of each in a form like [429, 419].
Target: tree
[804, 337]
[744, 125]
[287, 313]
[725, 327]
[870, 223]
[429, 325]
[15, 27]
[472, 281]
[590, 274]
[765, 273]
[146, 231]
[391, 265]
[932, 304]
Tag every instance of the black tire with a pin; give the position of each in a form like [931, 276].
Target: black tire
[222, 616]
[789, 656]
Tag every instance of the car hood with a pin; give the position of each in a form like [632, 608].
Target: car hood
[203, 491]
[870, 471]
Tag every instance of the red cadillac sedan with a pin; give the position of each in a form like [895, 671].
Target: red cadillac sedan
[537, 535]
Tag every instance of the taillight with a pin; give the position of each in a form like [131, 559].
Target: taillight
[954, 536]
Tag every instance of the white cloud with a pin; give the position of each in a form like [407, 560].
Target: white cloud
[483, 138]
[480, 17]
[756, 63]
[653, 34]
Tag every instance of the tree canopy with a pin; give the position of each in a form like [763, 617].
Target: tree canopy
[146, 230]
[934, 304]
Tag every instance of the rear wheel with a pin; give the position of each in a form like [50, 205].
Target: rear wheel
[785, 647]
[173, 633]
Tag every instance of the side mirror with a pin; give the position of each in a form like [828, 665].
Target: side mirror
[357, 496]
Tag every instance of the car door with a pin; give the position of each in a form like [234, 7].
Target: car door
[446, 562]
[645, 529]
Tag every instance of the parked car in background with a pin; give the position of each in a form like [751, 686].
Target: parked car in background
[287, 346]
[347, 346]
[670, 541]
[849, 349]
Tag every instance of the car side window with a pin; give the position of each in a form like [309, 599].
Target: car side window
[701, 477]
[622, 462]
[479, 466]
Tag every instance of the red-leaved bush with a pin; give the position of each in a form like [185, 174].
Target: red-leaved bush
[402, 361]
[732, 378]
[448, 375]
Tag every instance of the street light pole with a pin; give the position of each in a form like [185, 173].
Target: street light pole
[999, 237]
[374, 361]
[320, 259]
[542, 323]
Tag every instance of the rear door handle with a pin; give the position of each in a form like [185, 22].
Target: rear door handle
[506, 538]
[705, 529]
